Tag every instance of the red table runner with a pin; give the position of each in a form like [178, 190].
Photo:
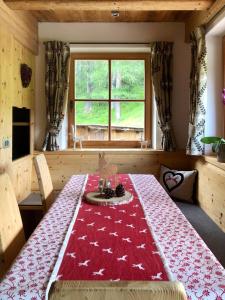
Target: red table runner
[111, 242]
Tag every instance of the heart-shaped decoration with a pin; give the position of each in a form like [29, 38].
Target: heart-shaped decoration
[172, 180]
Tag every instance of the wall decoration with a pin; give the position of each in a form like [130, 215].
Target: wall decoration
[26, 74]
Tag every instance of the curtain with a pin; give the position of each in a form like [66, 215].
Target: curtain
[57, 55]
[198, 92]
[161, 69]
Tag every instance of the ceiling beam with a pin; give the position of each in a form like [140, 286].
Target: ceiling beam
[108, 5]
[203, 17]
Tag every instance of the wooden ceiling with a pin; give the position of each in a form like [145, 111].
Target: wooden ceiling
[101, 10]
[105, 16]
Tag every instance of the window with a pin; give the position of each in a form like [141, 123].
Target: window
[110, 98]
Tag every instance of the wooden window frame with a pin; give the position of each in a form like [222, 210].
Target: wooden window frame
[147, 100]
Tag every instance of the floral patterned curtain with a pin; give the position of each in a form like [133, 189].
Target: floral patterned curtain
[57, 56]
[198, 92]
[161, 68]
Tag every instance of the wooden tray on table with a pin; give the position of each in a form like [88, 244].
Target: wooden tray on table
[98, 199]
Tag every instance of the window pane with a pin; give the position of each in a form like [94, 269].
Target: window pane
[91, 120]
[127, 121]
[127, 79]
[91, 79]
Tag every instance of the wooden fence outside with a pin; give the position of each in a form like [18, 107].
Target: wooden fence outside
[100, 133]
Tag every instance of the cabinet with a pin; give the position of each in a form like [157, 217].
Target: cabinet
[20, 132]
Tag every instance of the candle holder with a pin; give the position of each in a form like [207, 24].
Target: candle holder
[101, 185]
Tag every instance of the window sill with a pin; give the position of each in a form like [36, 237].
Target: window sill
[119, 151]
[213, 160]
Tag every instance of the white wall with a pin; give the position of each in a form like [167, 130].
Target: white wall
[121, 33]
[214, 116]
[215, 108]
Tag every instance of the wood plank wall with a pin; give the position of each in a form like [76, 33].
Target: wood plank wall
[211, 187]
[12, 54]
[22, 25]
[66, 163]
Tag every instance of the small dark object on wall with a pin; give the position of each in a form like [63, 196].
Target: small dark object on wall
[26, 73]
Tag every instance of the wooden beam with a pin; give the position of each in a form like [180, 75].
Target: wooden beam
[203, 17]
[106, 5]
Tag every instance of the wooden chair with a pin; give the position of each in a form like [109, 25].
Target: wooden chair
[11, 227]
[43, 200]
[108, 290]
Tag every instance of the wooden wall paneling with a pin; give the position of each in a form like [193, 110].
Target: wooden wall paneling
[23, 97]
[174, 160]
[17, 86]
[28, 93]
[22, 25]
[6, 92]
[64, 164]
[12, 54]
[211, 188]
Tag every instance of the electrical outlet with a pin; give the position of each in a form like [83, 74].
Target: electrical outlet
[5, 142]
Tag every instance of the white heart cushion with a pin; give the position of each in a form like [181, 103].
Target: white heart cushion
[178, 184]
